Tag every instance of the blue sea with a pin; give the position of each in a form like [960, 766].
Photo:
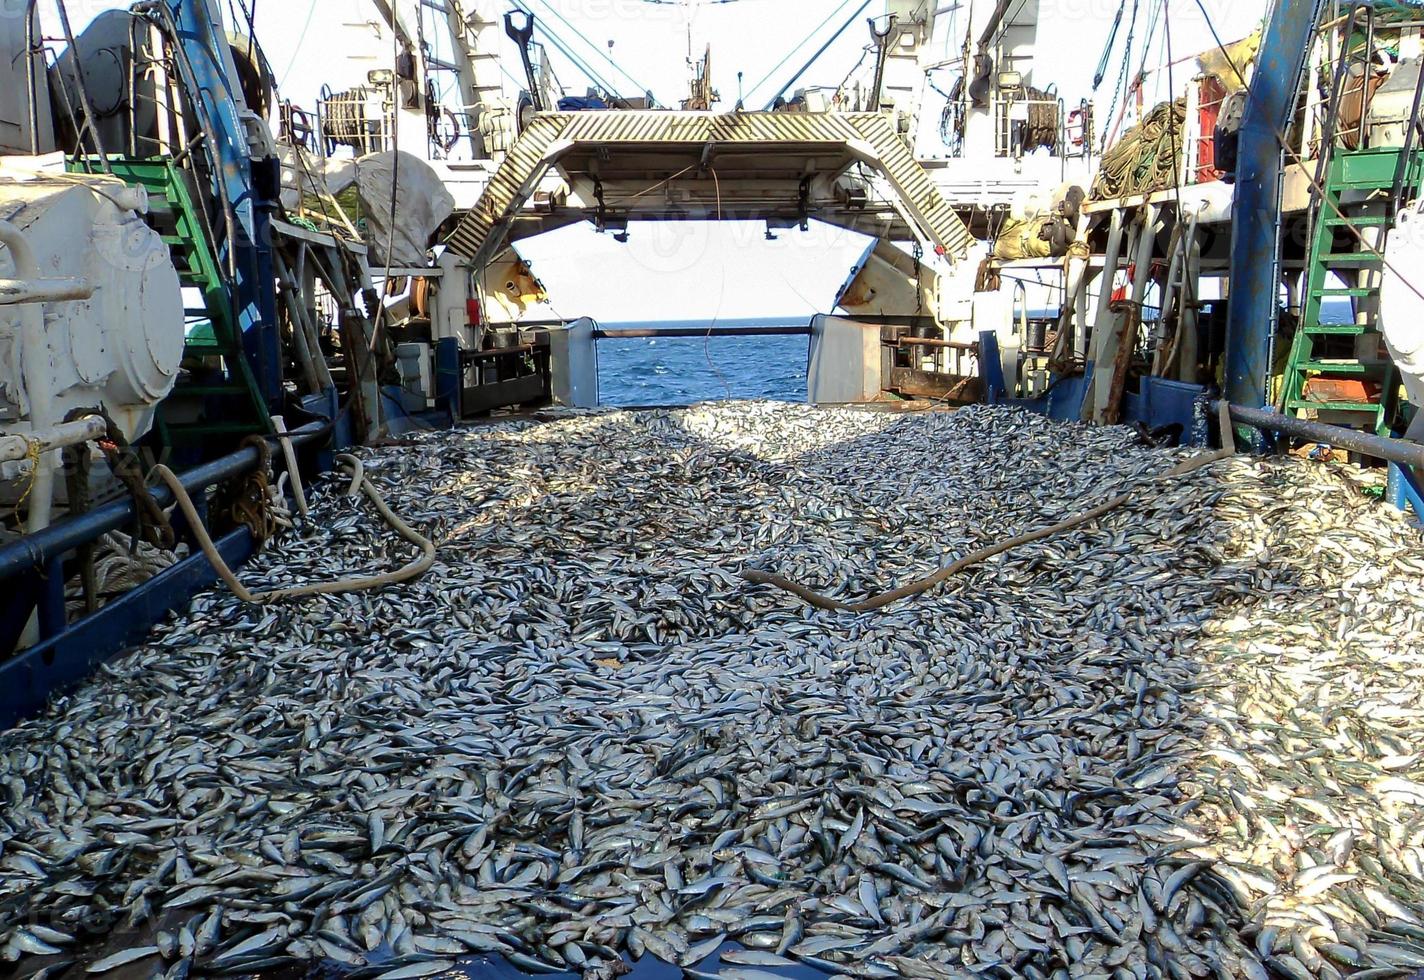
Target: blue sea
[683, 370]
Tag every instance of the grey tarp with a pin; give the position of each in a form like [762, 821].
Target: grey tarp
[422, 204]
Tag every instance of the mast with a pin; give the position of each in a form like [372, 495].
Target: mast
[1256, 211]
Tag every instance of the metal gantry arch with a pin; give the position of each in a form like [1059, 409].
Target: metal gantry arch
[867, 138]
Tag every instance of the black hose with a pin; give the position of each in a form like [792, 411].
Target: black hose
[1403, 451]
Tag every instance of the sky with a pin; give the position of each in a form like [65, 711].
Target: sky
[731, 271]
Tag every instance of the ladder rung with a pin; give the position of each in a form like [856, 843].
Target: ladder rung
[1358, 221]
[1339, 329]
[1349, 291]
[1298, 403]
[1330, 257]
[1341, 366]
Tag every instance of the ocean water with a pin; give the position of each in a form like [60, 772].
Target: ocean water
[683, 370]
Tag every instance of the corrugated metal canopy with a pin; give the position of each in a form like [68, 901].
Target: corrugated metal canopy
[869, 138]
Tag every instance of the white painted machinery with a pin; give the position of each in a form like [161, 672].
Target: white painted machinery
[1401, 313]
[91, 317]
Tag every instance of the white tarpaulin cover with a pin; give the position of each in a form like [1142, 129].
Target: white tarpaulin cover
[313, 176]
[422, 204]
[1402, 306]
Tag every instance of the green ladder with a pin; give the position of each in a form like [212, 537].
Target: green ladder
[222, 403]
[1332, 351]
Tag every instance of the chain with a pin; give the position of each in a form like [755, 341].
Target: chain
[918, 252]
[32, 456]
[250, 501]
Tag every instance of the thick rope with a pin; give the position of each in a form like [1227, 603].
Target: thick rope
[361, 583]
[1147, 156]
[884, 599]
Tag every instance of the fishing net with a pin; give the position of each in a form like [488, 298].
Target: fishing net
[1146, 157]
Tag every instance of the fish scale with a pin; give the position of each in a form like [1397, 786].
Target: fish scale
[1112, 749]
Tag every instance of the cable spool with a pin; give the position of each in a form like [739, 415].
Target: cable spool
[1041, 130]
[347, 123]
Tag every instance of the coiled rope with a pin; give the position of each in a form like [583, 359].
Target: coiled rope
[1147, 156]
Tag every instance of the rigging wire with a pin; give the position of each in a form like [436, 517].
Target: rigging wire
[1118, 86]
[1316, 185]
[603, 54]
[819, 52]
[383, 315]
[301, 42]
[1188, 292]
[1111, 124]
[804, 41]
[1007, 22]
[559, 45]
[1107, 48]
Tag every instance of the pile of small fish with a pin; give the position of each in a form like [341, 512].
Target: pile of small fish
[1184, 741]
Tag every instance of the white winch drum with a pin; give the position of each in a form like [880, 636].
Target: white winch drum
[121, 348]
[1401, 313]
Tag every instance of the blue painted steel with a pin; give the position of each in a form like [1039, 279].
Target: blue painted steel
[1160, 402]
[1064, 401]
[204, 41]
[991, 367]
[1256, 210]
[1164, 401]
[52, 613]
[1405, 490]
[323, 404]
[449, 376]
[29, 680]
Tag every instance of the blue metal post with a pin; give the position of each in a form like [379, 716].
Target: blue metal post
[991, 367]
[1256, 212]
[449, 377]
[204, 41]
[52, 607]
[1405, 490]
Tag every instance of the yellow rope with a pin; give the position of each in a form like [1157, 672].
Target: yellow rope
[32, 455]
[1146, 157]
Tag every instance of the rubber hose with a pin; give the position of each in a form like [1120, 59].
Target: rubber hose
[884, 599]
[362, 583]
